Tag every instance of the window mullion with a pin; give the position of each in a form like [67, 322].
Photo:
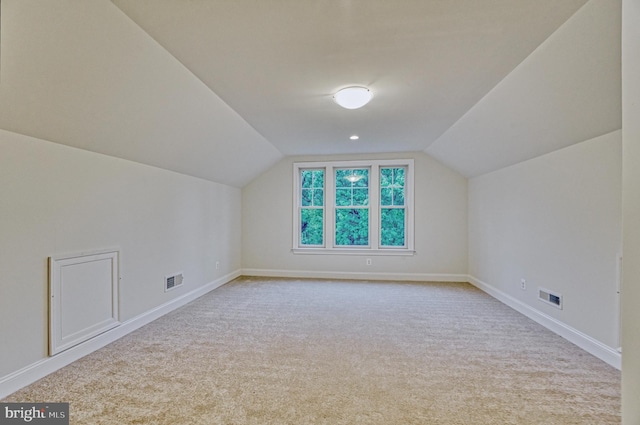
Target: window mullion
[374, 206]
[330, 202]
[409, 206]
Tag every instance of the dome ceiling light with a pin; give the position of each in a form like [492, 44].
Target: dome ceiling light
[353, 97]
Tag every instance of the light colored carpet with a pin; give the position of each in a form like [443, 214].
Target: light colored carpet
[276, 351]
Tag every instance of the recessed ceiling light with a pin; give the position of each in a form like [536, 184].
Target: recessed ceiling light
[353, 97]
[354, 137]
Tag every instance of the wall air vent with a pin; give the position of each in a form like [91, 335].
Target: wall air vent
[172, 281]
[549, 297]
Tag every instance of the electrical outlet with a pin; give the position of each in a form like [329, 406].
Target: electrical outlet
[523, 284]
[368, 261]
[217, 265]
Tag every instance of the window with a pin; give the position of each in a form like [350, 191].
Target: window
[312, 207]
[353, 207]
[393, 212]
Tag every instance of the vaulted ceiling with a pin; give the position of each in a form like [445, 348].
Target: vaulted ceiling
[223, 89]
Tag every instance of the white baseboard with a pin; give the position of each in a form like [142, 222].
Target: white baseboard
[419, 277]
[31, 373]
[605, 353]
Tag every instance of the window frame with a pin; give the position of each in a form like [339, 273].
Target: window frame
[366, 207]
[404, 207]
[375, 207]
[313, 207]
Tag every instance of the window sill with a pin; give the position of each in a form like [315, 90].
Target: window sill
[355, 251]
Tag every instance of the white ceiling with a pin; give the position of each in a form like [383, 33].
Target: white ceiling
[277, 63]
[223, 89]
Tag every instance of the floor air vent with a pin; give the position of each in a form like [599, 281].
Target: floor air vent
[550, 298]
[172, 281]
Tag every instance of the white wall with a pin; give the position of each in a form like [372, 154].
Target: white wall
[555, 221]
[56, 199]
[440, 227]
[631, 211]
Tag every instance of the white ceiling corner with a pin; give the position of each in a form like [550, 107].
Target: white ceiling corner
[84, 75]
[567, 91]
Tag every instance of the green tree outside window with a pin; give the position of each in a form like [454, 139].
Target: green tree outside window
[312, 207]
[393, 209]
[352, 207]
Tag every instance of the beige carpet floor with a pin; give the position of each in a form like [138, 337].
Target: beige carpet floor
[276, 351]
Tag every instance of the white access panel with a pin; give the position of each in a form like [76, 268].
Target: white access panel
[83, 298]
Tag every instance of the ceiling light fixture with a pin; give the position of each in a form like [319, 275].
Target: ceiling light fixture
[354, 137]
[353, 97]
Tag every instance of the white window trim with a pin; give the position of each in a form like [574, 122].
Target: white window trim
[374, 208]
